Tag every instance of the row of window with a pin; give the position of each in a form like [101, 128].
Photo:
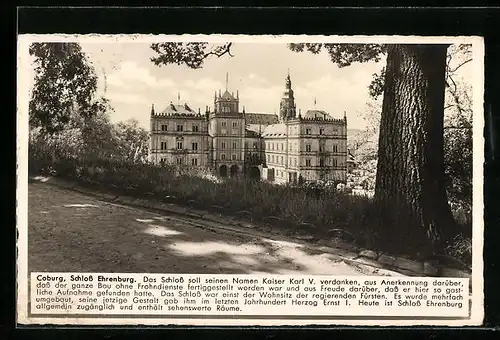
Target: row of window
[194, 147]
[308, 131]
[279, 160]
[228, 108]
[224, 124]
[233, 132]
[180, 146]
[223, 145]
[233, 157]
[322, 148]
[180, 161]
[180, 127]
[195, 128]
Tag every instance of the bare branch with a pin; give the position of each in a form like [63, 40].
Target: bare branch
[454, 85]
[462, 64]
[220, 51]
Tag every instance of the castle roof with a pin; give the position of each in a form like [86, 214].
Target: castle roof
[249, 132]
[317, 114]
[255, 127]
[261, 118]
[173, 109]
[227, 96]
[275, 130]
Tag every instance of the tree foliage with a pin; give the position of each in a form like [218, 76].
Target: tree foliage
[344, 54]
[132, 141]
[458, 144]
[94, 138]
[64, 81]
[191, 54]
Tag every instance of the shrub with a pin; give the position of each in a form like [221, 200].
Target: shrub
[322, 209]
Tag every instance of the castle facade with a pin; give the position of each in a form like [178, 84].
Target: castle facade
[285, 148]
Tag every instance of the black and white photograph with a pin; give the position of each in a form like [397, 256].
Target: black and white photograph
[251, 156]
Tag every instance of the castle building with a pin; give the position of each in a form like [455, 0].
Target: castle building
[284, 148]
[305, 148]
[226, 127]
[179, 136]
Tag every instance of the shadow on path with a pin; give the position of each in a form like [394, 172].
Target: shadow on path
[69, 231]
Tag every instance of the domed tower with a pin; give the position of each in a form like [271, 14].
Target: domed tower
[287, 105]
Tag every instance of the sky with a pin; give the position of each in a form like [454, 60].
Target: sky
[133, 83]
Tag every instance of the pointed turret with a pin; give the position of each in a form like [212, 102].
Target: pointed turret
[226, 102]
[287, 104]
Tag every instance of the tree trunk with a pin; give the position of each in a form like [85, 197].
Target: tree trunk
[410, 186]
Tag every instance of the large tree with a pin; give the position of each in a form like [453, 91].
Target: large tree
[65, 81]
[410, 184]
[457, 126]
[410, 187]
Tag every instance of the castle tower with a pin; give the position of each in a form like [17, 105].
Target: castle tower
[287, 105]
[226, 102]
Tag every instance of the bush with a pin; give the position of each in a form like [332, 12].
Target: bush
[322, 209]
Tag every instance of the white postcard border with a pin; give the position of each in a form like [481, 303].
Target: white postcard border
[477, 312]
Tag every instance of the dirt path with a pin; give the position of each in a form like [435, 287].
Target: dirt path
[69, 231]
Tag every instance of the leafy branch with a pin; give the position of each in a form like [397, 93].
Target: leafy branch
[192, 54]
